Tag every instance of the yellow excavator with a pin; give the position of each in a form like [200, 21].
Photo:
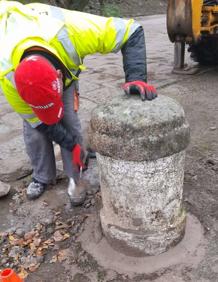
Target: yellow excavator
[193, 23]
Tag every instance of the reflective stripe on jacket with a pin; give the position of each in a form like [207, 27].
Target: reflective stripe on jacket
[69, 35]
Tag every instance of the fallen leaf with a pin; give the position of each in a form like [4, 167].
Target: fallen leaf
[49, 242]
[44, 247]
[32, 247]
[29, 236]
[63, 255]
[34, 267]
[37, 242]
[58, 237]
[23, 273]
[66, 236]
[61, 225]
[54, 259]
[20, 242]
[39, 252]
[11, 238]
[38, 226]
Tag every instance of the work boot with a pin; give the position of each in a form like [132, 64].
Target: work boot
[76, 192]
[35, 189]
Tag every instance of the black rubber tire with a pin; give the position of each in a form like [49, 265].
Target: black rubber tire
[210, 2]
[205, 52]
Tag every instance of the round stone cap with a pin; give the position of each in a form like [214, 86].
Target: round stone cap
[129, 129]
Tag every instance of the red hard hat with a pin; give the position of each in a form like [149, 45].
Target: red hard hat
[39, 86]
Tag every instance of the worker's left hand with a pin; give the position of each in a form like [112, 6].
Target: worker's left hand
[146, 91]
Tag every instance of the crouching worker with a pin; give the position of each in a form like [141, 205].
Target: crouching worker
[41, 55]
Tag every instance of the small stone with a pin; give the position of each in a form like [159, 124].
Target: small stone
[50, 230]
[75, 229]
[38, 226]
[40, 259]
[14, 252]
[195, 177]
[212, 128]
[49, 220]
[29, 260]
[88, 205]
[211, 162]
[93, 190]
[4, 189]
[20, 232]
[92, 202]
[11, 230]
[4, 261]
[56, 247]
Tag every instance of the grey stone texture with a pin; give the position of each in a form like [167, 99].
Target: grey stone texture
[142, 210]
[141, 157]
[4, 189]
[132, 130]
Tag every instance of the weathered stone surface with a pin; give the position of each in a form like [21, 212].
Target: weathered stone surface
[14, 160]
[142, 203]
[141, 154]
[129, 129]
[4, 189]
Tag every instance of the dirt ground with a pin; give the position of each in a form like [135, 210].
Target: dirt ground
[42, 241]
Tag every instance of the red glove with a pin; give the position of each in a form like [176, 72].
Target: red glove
[78, 156]
[146, 91]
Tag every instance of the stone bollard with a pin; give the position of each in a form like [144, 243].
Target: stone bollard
[141, 153]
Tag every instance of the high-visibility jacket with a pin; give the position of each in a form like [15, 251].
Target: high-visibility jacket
[69, 35]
